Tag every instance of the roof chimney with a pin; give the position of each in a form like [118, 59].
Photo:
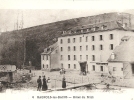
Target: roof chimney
[112, 56]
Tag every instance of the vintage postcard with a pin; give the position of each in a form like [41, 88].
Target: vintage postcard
[67, 52]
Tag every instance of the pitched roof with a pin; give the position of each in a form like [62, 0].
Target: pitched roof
[125, 51]
[50, 49]
[106, 26]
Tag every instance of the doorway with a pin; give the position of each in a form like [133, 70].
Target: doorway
[10, 76]
[132, 68]
[83, 67]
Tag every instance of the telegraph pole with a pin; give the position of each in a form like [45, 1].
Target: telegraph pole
[24, 52]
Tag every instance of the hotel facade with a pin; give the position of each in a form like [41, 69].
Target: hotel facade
[92, 43]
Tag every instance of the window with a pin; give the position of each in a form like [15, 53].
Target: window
[74, 48]
[86, 39]
[46, 57]
[68, 40]
[93, 38]
[114, 68]
[68, 57]
[80, 39]
[101, 47]
[86, 47]
[61, 49]
[101, 68]
[86, 57]
[56, 51]
[124, 25]
[93, 47]
[61, 65]
[43, 57]
[111, 36]
[74, 57]
[74, 66]
[73, 40]
[93, 67]
[68, 66]
[96, 28]
[121, 69]
[68, 48]
[101, 38]
[111, 47]
[61, 57]
[47, 66]
[80, 48]
[43, 65]
[61, 41]
[80, 57]
[89, 29]
[103, 27]
[93, 57]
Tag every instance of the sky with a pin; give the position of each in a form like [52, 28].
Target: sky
[8, 17]
[38, 12]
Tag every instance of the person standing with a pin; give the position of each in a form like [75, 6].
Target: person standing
[63, 82]
[1, 86]
[49, 83]
[39, 83]
[44, 86]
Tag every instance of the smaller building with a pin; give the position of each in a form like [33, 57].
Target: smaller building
[7, 72]
[50, 58]
[121, 61]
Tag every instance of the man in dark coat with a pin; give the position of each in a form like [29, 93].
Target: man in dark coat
[44, 86]
[39, 83]
[63, 82]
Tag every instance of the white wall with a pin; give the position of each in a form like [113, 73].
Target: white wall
[45, 62]
[100, 55]
[118, 66]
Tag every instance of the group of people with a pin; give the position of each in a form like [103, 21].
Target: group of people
[45, 84]
[62, 71]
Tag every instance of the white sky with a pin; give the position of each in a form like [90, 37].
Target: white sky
[40, 12]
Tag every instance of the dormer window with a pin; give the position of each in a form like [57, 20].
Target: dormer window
[124, 40]
[50, 49]
[64, 32]
[69, 32]
[89, 29]
[78, 31]
[84, 30]
[103, 27]
[96, 28]
[124, 25]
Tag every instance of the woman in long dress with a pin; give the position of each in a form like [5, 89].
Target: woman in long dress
[63, 82]
[49, 83]
[44, 86]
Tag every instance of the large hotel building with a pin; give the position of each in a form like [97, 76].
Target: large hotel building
[92, 43]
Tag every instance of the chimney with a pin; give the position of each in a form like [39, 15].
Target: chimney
[112, 56]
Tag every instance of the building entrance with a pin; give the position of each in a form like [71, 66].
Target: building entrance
[83, 67]
[132, 68]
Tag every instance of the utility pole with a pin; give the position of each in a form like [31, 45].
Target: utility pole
[22, 21]
[24, 52]
[130, 20]
[17, 22]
